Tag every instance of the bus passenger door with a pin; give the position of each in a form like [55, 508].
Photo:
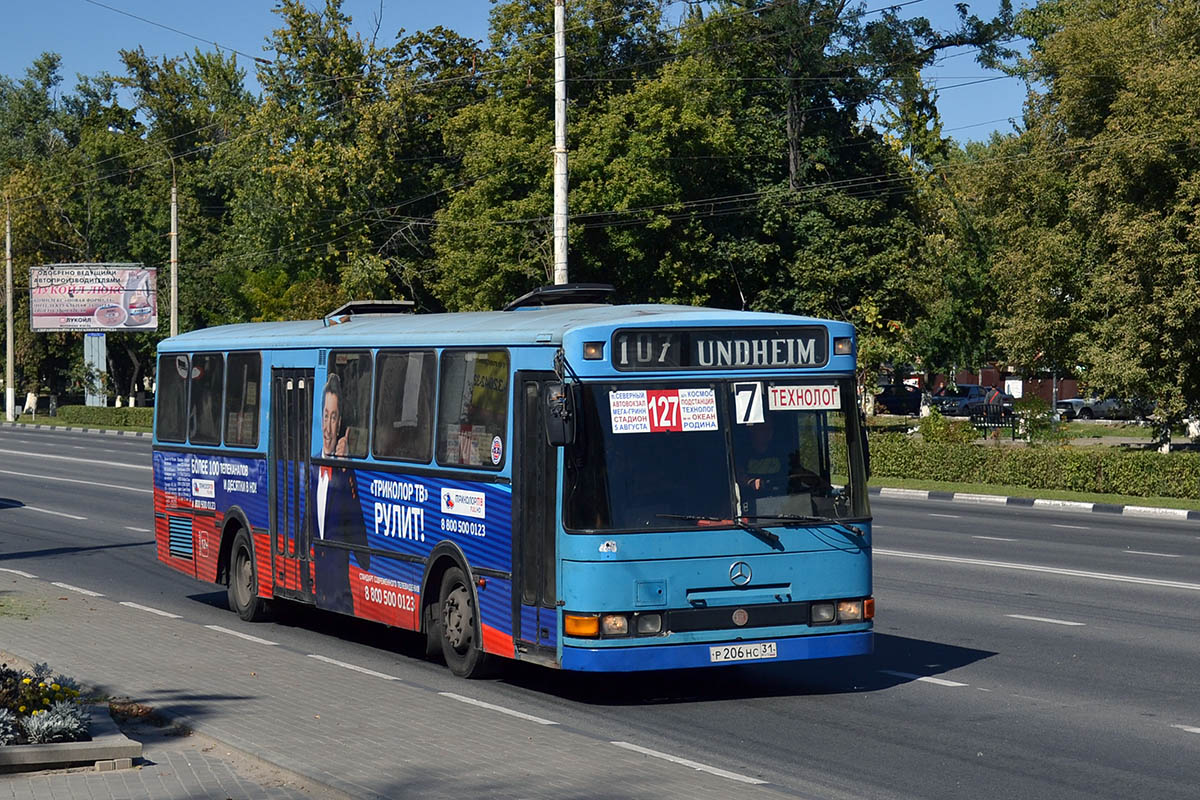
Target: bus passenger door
[535, 516]
[291, 444]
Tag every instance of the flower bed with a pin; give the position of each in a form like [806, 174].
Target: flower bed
[38, 707]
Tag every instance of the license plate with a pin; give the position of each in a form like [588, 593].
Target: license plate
[742, 652]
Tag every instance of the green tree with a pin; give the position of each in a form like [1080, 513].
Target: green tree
[1101, 243]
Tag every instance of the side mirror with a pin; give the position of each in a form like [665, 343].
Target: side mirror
[560, 414]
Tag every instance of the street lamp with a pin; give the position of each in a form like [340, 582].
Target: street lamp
[174, 239]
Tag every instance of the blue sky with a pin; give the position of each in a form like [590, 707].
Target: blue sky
[88, 37]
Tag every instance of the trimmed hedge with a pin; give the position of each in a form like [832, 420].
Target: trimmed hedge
[1102, 471]
[103, 417]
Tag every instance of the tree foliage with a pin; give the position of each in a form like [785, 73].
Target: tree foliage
[781, 155]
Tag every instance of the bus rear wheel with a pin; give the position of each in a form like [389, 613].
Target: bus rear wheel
[461, 645]
[243, 581]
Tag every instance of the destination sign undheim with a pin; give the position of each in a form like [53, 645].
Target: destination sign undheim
[737, 348]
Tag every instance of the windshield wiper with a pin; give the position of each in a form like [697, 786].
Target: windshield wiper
[802, 518]
[739, 522]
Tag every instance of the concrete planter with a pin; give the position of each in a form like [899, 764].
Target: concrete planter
[108, 749]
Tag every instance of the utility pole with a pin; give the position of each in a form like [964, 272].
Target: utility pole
[174, 252]
[10, 396]
[560, 142]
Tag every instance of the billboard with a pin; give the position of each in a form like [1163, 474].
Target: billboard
[92, 297]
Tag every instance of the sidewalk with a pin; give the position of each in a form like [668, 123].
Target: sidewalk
[338, 727]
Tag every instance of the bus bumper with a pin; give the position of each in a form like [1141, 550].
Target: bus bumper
[683, 656]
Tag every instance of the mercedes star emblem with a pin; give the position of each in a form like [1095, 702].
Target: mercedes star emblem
[739, 573]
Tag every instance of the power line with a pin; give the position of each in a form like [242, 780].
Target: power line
[218, 45]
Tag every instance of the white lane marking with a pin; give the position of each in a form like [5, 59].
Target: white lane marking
[947, 516]
[923, 678]
[69, 587]
[696, 765]
[1047, 619]
[55, 513]
[91, 461]
[240, 635]
[17, 572]
[76, 480]
[1073, 573]
[1148, 553]
[137, 530]
[472, 701]
[994, 538]
[1070, 527]
[1187, 728]
[140, 607]
[354, 667]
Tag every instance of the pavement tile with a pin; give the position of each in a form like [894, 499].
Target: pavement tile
[359, 735]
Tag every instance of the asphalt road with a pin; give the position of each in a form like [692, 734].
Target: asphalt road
[1019, 653]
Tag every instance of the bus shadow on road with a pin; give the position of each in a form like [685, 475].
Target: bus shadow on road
[359, 631]
[896, 660]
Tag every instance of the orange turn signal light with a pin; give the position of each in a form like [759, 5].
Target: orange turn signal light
[583, 625]
[869, 608]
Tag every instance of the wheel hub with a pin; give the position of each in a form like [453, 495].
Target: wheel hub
[456, 618]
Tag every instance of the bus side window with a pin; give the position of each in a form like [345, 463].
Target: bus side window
[473, 412]
[354, 372]
[404, 404]
[204, 400]
[170, 402]
[241, 399]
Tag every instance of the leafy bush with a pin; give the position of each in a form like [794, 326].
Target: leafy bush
[1099, 470]
[102, 417]
[10, 728]
[936, 428]
[62, 722]
[1036, 422]
[38, 708]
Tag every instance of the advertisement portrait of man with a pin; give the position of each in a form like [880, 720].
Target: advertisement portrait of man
[335, 514]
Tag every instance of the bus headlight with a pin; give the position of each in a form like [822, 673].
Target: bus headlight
[649, 623]
[850, 610]
[822, 612]
[615, 625]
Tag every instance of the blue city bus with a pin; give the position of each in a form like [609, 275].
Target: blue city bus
[581, 485]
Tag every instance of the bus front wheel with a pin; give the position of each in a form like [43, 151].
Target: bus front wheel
[459, 619]
[243, 581]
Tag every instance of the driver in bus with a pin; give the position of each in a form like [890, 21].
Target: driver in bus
[770, 474]
[335, 514]
[764, 468]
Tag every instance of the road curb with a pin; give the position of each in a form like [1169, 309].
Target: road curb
[1046, 505]
[75, 429]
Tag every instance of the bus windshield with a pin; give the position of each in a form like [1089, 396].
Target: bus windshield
[693, 455]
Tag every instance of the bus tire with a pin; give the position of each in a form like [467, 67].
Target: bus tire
[433, 632]
[243, 580]
[458, 621]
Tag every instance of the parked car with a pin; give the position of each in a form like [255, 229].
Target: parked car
[963, 399]
[898, 398]
[1097, 408]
